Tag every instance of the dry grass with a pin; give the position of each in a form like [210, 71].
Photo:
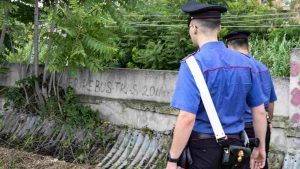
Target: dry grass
[15, 159]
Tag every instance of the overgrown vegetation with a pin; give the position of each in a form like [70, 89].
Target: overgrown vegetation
[69, 113]
[275, 53]
[158, 36]
[65, 142]
[66, 108]
[149, 34]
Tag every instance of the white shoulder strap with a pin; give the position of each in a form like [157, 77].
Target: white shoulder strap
[206, 98]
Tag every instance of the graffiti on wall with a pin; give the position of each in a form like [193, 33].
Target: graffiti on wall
[122, 87]
[148, 85]
[295, 89]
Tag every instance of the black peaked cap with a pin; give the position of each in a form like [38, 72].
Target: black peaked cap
[203, 11]
[240, 34]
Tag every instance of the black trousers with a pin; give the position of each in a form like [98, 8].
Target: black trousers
[207, 154]
[251, 134]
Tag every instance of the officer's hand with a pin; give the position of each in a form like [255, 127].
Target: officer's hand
[270, 125]
[258, 158]
[171, 165]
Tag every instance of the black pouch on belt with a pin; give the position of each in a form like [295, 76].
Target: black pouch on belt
[185, 159]
[236, 156]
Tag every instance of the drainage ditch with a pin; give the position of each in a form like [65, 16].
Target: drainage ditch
[108, 146]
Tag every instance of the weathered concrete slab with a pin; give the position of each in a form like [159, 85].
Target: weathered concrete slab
[279, 139]
[11, 77]
[281, 85]
[291, 161]
[118, 114]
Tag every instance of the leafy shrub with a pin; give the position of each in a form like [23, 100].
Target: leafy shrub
[275, 53]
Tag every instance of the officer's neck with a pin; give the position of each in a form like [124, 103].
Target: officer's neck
[244, 51]
[206, 39]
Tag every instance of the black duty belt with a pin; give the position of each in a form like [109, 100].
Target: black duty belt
[201, 136]
[248, 125]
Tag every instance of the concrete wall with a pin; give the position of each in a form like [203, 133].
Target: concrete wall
[11, 77]
[281, 85]
[141, 97]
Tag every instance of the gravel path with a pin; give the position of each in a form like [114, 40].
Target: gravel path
[16, 159]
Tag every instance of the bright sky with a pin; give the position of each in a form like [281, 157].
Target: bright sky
[40, 3]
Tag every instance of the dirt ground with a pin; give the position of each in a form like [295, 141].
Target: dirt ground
[16, 159]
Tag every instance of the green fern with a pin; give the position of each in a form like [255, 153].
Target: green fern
[84, 42]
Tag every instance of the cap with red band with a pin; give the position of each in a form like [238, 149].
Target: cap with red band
[203, 11]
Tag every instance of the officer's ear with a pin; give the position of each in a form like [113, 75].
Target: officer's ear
[194, 29]
[229, 45]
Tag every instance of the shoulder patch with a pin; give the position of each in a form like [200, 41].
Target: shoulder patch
[248, 56]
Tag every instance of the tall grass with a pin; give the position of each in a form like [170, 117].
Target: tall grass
[275, 53]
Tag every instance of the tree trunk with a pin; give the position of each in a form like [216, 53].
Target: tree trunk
[12, 46]
[3, 32]
[44, 89]
[50, 84]
[36, 54]
[2, 37]
[28, 63]
[21, 66]
[36, 40]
